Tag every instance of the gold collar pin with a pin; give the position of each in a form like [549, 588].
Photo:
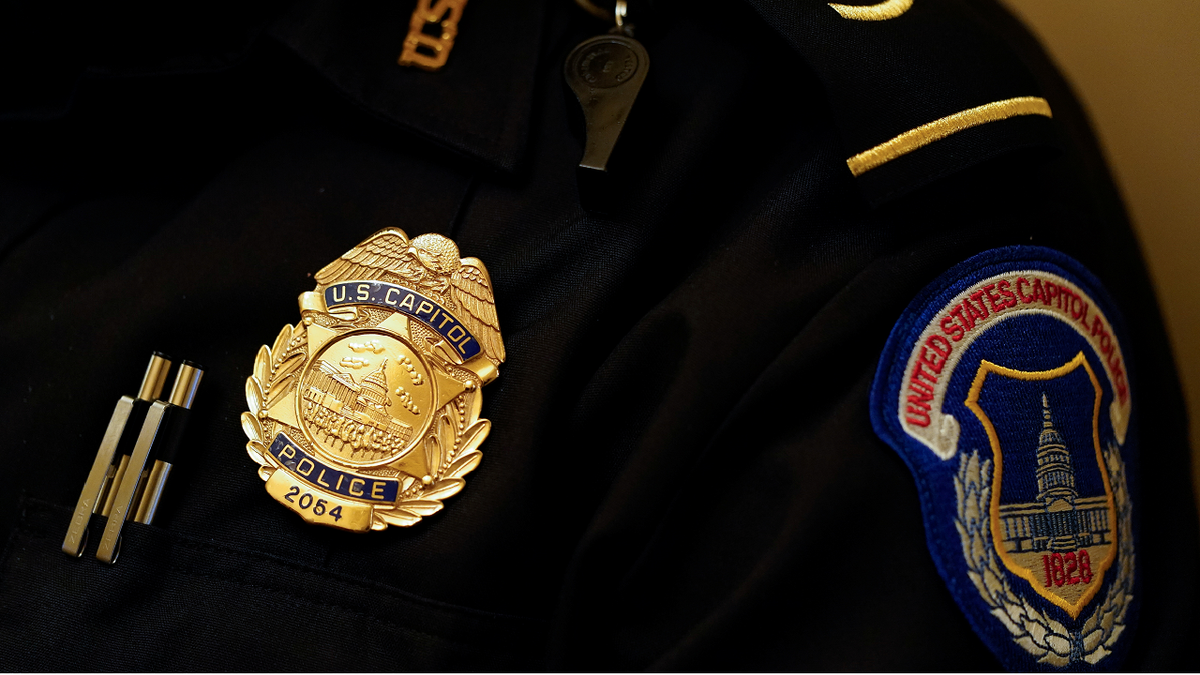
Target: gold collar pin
[431, 32]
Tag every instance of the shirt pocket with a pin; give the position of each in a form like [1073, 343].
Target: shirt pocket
[174, 603]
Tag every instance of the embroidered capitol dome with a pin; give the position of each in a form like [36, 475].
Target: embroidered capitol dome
[1050, 436]
[1059, 519]
[1055, 475]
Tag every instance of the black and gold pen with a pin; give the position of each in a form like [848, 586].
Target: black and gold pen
[160, 434]
[117, 442]
[165, 451]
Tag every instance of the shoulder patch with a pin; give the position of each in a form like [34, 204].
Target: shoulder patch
[1004, 389]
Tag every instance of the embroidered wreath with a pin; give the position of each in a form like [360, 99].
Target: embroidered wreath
[1047, 640]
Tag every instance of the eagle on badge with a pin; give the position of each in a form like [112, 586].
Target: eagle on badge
[428, 263]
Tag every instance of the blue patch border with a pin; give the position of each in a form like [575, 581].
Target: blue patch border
[889, 378]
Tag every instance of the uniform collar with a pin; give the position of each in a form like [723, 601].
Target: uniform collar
[478, 105]
[881, 78]
[931, 60]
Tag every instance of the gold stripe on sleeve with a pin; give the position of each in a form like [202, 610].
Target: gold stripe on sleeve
[889, 9]
[939, 129]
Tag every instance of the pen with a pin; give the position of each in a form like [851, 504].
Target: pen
[182, 395]
[161, 417]
[117, 438]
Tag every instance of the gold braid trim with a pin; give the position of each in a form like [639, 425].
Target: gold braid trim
[877, 12]
[946, 126]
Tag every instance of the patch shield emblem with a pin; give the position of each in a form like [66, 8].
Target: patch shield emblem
[366, 414]
[1004, 389]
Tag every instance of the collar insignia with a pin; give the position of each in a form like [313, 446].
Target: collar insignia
[430, 50]
[1004, 389]
[366, 413]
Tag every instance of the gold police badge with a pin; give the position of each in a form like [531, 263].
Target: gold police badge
[366, 414]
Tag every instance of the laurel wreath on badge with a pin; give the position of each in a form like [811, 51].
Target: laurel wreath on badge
[1044, 638]
[383, 435]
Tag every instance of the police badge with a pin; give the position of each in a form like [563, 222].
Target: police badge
[1005, 390]
[366, 414]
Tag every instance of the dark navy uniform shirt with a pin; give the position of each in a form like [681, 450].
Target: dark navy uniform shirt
[682, 472]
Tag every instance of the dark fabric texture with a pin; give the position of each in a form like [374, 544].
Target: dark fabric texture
[882, 78]
[681, 473]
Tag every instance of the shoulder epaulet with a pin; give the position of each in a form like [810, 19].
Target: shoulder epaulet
[920, 89]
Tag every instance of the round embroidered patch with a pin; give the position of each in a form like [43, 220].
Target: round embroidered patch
[1004, 388]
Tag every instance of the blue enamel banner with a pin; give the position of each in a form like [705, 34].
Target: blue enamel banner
[319, 474]
[409, 302]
